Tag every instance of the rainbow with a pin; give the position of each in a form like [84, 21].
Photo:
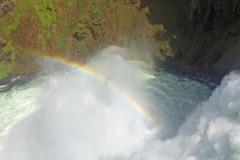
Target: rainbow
[130, 100]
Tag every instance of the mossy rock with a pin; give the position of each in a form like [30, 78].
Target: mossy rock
[7, 58]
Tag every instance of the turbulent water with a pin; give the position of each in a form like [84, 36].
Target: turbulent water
[72, 115]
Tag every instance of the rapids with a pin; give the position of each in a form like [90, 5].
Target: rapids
[72, 115]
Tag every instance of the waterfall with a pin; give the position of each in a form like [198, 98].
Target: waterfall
[118, 109]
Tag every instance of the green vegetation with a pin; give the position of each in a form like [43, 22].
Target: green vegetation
[10, 22]
[45, 11]
[9, 47]
[69, 2]
[61, 42]
[42, 8]
[5, 69]
[47, 15]
[46, 33]
[7, 56]
[96, 7]
[11, 27]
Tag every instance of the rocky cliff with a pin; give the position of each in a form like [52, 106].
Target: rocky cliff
[197, 36]
[207, 33]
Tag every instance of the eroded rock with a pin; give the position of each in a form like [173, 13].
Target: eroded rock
[5, 7]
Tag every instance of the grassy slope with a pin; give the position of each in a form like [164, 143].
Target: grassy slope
[46, 15]
[47, 26]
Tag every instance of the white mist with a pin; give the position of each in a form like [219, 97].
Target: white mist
[79, 117]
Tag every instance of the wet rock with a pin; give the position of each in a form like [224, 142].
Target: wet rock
[127, 2]
[79, 35]
[207, 33]
[205, 15]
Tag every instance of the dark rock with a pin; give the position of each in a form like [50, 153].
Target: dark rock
[206, 31]
[127, 2]
[95, 25]
[5, 7]
[79, 35]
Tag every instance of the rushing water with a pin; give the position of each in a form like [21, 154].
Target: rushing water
[71, 115]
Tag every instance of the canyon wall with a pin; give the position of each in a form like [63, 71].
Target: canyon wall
[197, 36]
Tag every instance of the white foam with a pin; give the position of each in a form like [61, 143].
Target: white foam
[81, 118]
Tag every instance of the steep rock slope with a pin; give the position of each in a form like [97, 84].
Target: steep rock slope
[73, 28]
[207, 33]
[197, 36]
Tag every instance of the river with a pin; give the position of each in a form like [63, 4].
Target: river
[119, 110]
